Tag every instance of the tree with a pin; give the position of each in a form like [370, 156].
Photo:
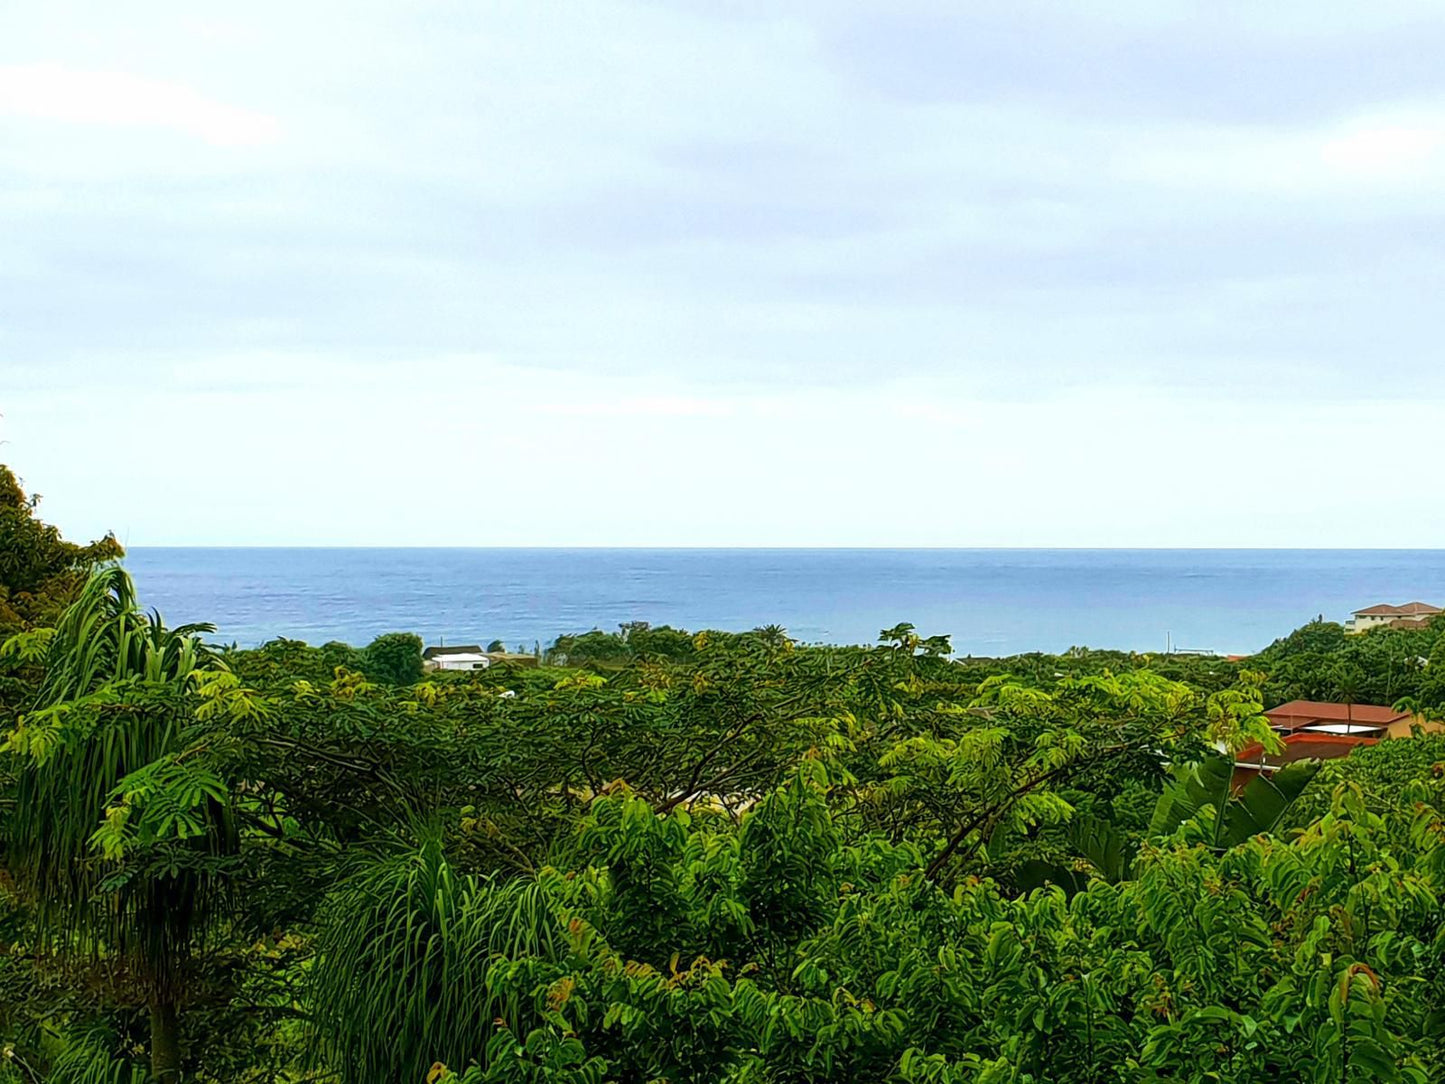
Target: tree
[40, 573]
[400, 977]
[662, 641]
[113, 707]
[1348, 679]
[997, 768]
[1317, 637]
[394, 658]
[590, 649]
[904, 639]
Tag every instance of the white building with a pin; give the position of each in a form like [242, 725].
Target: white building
[461, 657]
[1410, 615]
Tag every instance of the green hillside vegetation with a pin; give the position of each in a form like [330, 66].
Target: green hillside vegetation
[695, 857]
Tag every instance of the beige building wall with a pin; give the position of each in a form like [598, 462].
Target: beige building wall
[1362, 622]
[1405, 727]
[1365, 622]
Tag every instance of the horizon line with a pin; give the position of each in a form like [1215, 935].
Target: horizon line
[792, 547]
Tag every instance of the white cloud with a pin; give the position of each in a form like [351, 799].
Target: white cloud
[903, 463]
[733, 255]
[121, 99]
[672, 406]
[1381, 148]
[1380, 152]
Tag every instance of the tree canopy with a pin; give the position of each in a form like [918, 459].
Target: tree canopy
[40, 572]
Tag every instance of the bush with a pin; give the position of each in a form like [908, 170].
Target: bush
[393, 658]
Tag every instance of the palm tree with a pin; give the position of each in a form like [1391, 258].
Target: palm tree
[113, 701]
[1347, 679]
[400, 978]
[104, 637]
[774, 636]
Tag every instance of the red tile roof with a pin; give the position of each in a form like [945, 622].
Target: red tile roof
[1298, 713]
[1302, 747]
[1410, 609]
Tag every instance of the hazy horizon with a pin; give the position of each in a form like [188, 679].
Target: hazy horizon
[999, 549]
[991, 601]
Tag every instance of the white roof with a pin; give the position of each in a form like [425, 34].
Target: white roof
[461, 656]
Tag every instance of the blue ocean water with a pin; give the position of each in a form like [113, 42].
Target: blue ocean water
[993, 602]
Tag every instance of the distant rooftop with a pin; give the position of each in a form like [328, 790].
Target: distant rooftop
[1298, 714]
[1301, 747]
[1410, 609]
[452, 649]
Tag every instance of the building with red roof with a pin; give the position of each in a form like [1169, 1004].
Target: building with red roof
[1323, 717]
[1252, 760]
[1321, 730]
[1411, 615]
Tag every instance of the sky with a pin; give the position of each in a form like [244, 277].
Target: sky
[729, 273]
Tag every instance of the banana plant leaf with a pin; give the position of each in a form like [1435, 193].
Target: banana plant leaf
[1259, 808]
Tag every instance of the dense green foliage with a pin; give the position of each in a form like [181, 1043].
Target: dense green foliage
[394, 658]
[40, 573]
[1383, 666]
[721, 857]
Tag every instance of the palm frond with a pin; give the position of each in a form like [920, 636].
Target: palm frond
[400, 979]
[113, 701]
[92, 1056]
[105, 637]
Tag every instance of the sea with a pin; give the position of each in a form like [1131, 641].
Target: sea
[991, 602]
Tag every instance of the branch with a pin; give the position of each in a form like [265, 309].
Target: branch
[695, 783]
[992, 811]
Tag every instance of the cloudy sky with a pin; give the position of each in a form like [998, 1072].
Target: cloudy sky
[486, 273]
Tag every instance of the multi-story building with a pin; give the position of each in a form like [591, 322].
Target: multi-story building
[1410, 615]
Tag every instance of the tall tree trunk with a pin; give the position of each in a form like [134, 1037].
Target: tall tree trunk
[165, 1043]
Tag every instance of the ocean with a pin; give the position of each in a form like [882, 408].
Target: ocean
[992, 602]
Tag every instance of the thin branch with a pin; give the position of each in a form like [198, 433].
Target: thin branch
[992, 811]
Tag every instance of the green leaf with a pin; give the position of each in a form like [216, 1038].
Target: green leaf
[1265, 801]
